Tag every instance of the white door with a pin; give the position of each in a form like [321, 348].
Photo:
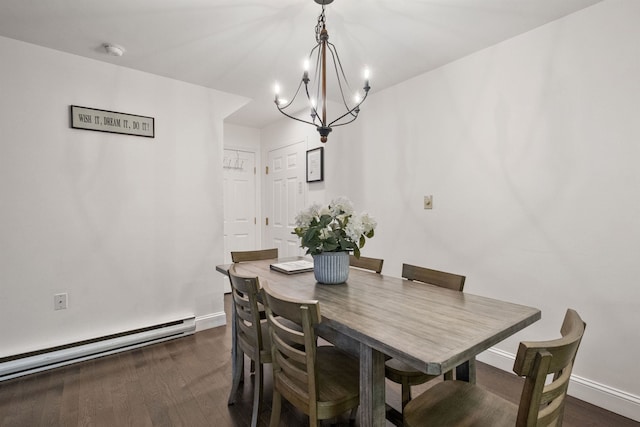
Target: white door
[240, 222]
[286, 191]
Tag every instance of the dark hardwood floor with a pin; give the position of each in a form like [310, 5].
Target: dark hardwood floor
[185, 382]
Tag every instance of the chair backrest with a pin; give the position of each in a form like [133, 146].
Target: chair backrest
[240, 256]
[373, 264]
[294, 351]
[543, 404]
[248, 326]
[433, 277]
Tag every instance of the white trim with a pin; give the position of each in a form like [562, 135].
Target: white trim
[212, 320]
[609, 398]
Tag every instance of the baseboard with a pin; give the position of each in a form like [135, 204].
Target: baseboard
[601, 395]
[212, 320]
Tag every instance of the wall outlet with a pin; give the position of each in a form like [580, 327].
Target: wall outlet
[60, 301]
[428, 202]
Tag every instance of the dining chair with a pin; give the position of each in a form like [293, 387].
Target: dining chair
[453, 403]
[257, 255]
[252, 337]
[321, 381]
[398, 371]
[373, 264]
[433, 277]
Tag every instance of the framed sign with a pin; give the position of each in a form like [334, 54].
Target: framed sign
[110, 121]
[315, 165]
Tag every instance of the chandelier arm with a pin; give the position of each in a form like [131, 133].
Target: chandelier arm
[345, 123]
[355, 109]
[292, 99]
[336, 62]
[313, 109]
[296, 118]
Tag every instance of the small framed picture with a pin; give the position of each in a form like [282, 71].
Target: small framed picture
[315, 165]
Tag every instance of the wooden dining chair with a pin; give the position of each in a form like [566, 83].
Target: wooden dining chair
[252, 337]
[373, 264]
[257, 255]
[433, 277]
[321, 381]
[398, 371]
[453, 403]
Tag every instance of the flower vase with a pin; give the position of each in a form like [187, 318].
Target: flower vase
[331, 268]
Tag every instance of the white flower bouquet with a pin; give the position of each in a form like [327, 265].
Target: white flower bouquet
[333, 228]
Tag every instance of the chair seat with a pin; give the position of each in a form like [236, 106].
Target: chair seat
[338, 374]
[338, 377]
[397, 371]
[458, 403]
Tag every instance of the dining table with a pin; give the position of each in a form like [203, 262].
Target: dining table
[378, 316]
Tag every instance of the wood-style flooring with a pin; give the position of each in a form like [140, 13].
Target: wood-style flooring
[185, 382]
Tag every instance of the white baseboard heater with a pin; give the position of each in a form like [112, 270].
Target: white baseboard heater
[37, 361]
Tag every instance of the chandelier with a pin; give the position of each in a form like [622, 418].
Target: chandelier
[315, 88]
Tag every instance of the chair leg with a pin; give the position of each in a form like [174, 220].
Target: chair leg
[352, 416]
[275, 410]
[237, 377]
[257, 393]
[406, 393]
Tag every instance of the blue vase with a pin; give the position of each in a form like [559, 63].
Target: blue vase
[331, 268]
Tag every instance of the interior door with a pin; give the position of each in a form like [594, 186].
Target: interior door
[240, 223]
[286, 193]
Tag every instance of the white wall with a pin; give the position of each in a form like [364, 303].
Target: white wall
[131, 228]
[530, 149]
[236, 137]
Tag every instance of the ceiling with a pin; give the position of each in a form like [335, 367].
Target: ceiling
[244, 46]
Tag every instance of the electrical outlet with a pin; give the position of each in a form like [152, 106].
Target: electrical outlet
[428, 202]
[60, 301]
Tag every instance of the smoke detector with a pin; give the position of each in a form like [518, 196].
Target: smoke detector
[113, 50]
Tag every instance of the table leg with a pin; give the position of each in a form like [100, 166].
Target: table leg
[372, 383]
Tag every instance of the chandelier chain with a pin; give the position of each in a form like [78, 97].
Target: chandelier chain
[320, 25]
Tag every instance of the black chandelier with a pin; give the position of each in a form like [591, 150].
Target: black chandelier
[316, 89]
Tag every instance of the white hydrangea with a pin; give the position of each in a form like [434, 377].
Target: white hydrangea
[341, 204]
[354, 228]
[304, 217]
[369, 223]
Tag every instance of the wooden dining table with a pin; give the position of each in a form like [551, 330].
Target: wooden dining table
[430, 328]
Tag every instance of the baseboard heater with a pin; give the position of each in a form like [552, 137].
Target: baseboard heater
[37, 361]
